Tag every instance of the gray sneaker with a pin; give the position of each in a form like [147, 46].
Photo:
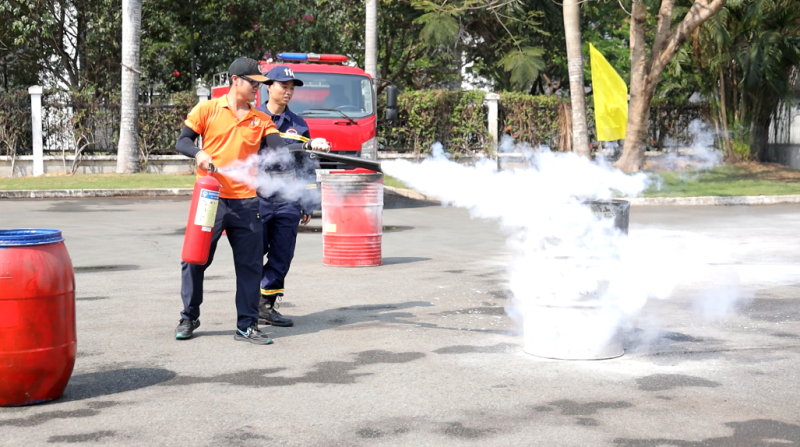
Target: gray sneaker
[253, 335]
[185, 329]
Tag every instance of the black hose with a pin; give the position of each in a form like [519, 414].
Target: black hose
[372, 165]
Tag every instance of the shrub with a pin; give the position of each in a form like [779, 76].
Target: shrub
[457, 119]
[532, 119]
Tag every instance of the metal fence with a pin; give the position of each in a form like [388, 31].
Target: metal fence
[159, 126]
[91, 129]
[668, 127]
[15, 124]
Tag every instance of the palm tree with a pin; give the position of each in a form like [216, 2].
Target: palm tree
[572, 32]
[128, 151]
[752, 49]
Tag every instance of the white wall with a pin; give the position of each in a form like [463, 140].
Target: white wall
[97, 164]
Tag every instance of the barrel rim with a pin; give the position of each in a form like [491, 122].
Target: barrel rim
[24, 237]
[359, 178]
[607, 202]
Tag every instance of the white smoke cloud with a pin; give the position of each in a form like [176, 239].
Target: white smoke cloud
[719, 299]
[563, 253]
[701, 155]
[252, 173]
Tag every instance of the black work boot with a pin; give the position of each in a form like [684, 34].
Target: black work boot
[267, 313]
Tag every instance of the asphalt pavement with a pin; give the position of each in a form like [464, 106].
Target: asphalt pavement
[419, 351]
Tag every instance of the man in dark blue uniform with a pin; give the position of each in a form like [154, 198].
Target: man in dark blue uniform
[282, 210]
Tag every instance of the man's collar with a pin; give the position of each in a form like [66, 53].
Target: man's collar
[285, 110]
[223, 102]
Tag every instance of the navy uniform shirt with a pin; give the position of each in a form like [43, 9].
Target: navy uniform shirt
[293, 129]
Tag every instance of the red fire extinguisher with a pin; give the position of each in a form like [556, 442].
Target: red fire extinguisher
[202, 213]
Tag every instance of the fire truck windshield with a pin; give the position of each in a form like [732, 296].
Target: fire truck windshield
[341, 94]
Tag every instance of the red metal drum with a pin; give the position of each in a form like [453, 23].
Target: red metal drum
[37, 316]
[352, 219]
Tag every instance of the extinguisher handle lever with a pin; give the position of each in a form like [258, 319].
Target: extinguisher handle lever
[211, 167]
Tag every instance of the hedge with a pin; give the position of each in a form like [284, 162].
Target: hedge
[458, 119]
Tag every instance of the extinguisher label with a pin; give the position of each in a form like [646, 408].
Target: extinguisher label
[207, 209]
[330, 228]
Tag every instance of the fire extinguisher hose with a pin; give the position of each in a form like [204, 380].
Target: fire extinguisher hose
[372, 165]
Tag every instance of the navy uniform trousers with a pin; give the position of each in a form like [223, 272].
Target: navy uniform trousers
[280, 222]
[240, 220]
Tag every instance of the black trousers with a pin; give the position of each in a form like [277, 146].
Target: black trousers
[281, 222]
[240, 220]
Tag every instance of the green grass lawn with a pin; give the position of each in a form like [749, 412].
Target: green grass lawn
[391, 181]
[115, 181]
[729, 180]
[98, 181]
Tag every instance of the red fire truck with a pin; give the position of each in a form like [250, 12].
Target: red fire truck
[336, 100]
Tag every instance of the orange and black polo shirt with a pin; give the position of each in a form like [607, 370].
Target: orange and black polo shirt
[227, 139]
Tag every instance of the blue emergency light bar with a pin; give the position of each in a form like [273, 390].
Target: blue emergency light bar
[311, 57]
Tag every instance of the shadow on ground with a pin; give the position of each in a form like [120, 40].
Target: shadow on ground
[89, 386]
[335, 318]
[393, 202]
[400, 260]
[104, 383]
[354, 318]
[333, 372]
[753, 433]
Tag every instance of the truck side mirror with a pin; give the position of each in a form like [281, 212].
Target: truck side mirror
[391, 97]
[391, 103]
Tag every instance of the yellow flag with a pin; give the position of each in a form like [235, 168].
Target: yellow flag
[610, 99]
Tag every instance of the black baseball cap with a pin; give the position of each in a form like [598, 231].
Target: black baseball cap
[246, 67]
[282, 73]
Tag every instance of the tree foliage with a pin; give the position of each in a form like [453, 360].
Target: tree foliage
[649, 62]
[423, 44]
[457, 119]
[750, 53]
[499, 38]
[71, 43]
[404, 59]
[183, 42]
[741, 61]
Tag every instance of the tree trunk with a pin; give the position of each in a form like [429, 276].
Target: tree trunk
[632, 159]
[191, 48]
[636, 132]
[80, 46]
[726, 138]
[735, 104]
[646, 72]
[128, 151]
[371, 39]
[572, 32]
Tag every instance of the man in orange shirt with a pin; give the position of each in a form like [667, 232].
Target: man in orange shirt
[232, 130]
